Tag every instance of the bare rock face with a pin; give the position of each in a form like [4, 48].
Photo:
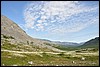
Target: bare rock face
[11, 29]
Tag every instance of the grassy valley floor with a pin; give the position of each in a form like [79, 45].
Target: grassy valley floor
[70, 58]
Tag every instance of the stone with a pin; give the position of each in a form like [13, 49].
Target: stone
[30, 62]
[56, 65]
[15, 65]
[3, 64]
[73, 61]
[83, 58]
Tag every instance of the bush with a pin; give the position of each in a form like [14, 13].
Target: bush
[11, 37]
[32, 42]
[28, 42]
[8, 37]
[5, 37]
[47, 43]
[61, 54]
[77, 51]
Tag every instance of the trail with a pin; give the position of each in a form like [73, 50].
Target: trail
[69, 52]
[28, 52]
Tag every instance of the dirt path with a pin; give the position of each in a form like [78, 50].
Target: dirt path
[28, 52]
[69, 52]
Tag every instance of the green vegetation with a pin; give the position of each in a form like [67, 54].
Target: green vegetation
[93, 43]
[61, 47]
[32, 42]
[28, 42]
[46, 57]
[21, 47]
[66, 48]
[87, 50]
[48, 44]
[61, 54]
[7, 37]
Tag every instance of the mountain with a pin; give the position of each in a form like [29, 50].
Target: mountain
[11, 33]
[93, 43]
[9, 28]
[68, 44]
[81, 43]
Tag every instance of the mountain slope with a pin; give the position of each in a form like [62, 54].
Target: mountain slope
[10, 28]
[93, 43]
[67, 44]
[11, 33]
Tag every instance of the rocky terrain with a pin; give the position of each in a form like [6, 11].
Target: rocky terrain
[19, 36]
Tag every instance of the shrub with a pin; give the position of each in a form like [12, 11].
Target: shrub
[5, 37]
[28, 42]
[8, 37]
[32, 42]
[47, 43]
[11, 37]
[78, 51]
[61, 54]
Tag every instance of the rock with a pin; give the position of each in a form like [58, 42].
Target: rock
[73, 61]
[9, 57]
[30, 62]
[3, 64]
[56, 65]
[83, 58]
[93, 63]
[14, 65]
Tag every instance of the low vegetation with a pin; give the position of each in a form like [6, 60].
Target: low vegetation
[47, 59]
[31, 55]
[7, 37]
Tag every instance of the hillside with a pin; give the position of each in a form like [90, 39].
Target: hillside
[93, 43]
[67, 44]
[12, 34]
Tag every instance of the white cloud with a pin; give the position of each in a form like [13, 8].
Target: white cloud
[39, 21]
[40, 26]
[43, 17]
[29, 25]
[47, 13]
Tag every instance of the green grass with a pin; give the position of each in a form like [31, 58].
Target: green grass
[47, 59]
[66, 48]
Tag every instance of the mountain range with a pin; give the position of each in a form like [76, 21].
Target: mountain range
[11, 32]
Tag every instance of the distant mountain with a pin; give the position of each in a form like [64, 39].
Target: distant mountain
[67, 44]
[93, 43]
[81, 43]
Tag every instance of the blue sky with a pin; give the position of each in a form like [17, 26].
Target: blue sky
[70, 21]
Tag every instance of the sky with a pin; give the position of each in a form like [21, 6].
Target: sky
[65, 21]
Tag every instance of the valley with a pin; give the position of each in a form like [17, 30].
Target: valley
[30, 55]
[19, 49]
[70, 58]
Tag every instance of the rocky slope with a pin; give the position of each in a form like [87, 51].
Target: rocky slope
[15, 35]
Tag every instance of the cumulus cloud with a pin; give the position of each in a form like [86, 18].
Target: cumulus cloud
[59, 16]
